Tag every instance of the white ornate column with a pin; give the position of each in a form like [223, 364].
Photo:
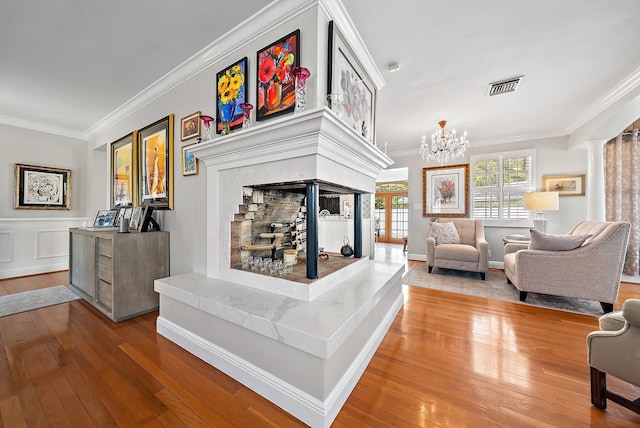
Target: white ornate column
[595, 181]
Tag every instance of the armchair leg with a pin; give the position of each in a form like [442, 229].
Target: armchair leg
[430, 269]
[598, 388]
[606, 307]
[509, 281]
[523, 296]
[482, 276]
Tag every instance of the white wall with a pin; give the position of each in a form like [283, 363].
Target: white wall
[552, 158]
[35, 241]
[187, 222]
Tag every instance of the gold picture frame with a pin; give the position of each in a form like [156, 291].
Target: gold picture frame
[190, 126]
[42, 188]
[445, 191]
[565, 185]
[155, 164]
[124, 171]
[189, 161]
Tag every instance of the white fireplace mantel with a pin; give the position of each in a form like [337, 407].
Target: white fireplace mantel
[317, 132]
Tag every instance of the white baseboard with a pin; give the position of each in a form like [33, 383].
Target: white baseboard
[33, 270]
[422, 257]
[303, 406]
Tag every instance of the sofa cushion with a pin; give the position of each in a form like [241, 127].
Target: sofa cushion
[542, 241]
[445, 233]
[459, 252]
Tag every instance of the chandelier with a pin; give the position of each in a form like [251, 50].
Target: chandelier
[444, 145]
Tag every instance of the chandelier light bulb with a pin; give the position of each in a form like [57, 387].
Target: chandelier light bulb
[445, 145]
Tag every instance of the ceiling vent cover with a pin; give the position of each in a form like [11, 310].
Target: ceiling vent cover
[504, 86]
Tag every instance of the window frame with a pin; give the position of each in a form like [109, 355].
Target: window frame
[473, 189]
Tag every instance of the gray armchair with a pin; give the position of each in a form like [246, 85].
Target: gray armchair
[591, 271]
[615, 350]
[471, 254]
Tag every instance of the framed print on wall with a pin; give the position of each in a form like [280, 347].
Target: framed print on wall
[42, 188]
[275, 90]
[123, 171]
[189, 162]
[232, 91]
[155, 164]
[190, 126]
[445, 191]
[565, 185]
[351, 86]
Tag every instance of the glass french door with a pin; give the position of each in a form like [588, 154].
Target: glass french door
[392, 212]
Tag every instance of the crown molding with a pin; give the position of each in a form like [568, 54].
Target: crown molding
[253, 28]
[35, 126]
[630, 85]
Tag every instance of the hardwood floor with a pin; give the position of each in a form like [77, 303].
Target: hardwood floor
[447, 360]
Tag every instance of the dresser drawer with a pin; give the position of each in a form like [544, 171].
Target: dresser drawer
[105, 294]
[105, 268]
[105, 247]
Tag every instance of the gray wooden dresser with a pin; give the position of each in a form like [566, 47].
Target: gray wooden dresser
[115, 271]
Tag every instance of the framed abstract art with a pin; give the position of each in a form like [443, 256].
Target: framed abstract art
[123, 171]
[42, 188]
[231, 84]
[275, 85]
[445, 191]
[155, 164]
[350, 86]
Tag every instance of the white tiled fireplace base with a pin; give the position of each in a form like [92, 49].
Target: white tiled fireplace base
[305, 357]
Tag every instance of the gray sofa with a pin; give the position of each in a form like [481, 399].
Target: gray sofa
[592, 271]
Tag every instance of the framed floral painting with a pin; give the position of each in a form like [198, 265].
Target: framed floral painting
[275, 90]
[232, 91]
[155, 164]
[42, 188]
[123, 171]
[445, 191]
[350, 86]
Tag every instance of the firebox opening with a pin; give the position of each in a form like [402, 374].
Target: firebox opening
[273, 219]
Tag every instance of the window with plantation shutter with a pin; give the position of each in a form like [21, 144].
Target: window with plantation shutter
[498, 184]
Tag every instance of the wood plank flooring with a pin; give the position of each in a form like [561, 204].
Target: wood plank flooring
[447, 360]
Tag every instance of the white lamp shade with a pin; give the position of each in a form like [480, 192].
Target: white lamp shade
[542, 201]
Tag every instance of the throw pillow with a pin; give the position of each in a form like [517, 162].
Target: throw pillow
[542, 241]
[445, 233]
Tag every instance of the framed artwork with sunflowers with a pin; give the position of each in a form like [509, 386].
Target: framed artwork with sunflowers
[276, 91]
[232, 91]
[445, 191]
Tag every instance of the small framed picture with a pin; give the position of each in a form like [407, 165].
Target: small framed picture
[105, 218]
[189, 162]
[190, 126]
[42, 188]
[565, 185]
[135, 218]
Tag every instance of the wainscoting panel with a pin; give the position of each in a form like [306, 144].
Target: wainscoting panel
[6, 244]
[29, 246]
[52, 243]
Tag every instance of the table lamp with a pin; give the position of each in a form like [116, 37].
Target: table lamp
[541, 202]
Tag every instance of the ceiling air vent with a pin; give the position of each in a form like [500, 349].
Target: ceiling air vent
[504, 86]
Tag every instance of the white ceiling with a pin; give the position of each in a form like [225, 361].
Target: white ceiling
[68, 64]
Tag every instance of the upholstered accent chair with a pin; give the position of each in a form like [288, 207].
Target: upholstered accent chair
[590, 271]
[469, 253]
[615, 350]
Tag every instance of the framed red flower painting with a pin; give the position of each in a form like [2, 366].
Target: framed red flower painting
[276, 91]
